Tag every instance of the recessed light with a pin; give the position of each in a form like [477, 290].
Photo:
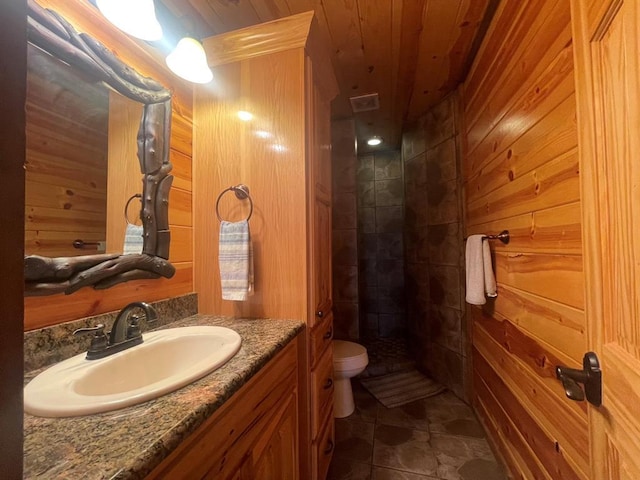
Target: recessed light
[374, 141]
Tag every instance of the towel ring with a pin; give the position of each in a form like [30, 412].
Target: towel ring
[126, 208]
[242, 193]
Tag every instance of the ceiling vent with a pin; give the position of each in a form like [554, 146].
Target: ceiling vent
[364, 103]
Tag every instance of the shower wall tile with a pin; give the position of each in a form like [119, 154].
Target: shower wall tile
[368, 272]
[380, 206]
[369, 298]
[441, 164]
[371, 323]
[433, 229]
[366, 194]
[367, 220]
[389, 246]
[344, 212]
[443, 244]
[389, 219]
[444, 286]
[391, 325]
[343, 173]
[413, 140]
[391, 299]
[366, 169]
[345, 281]
[346, 320]
[446, 327]
[344, 162]
[368, 245]
[415, 172]
[440, 122]
[387, 165]
[443, 202]
[391, 273]
[389, 192]
[345, 247]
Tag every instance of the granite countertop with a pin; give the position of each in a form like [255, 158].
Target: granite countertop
[130, 442]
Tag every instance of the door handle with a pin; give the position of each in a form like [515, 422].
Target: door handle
[590, 376]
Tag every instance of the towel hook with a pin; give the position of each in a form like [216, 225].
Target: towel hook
[126, 208]
[242, 192]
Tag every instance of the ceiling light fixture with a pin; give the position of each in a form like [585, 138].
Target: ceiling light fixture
[135, 17]
[189, 61]
[374, 141]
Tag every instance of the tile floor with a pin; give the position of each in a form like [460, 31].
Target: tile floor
[435, 438]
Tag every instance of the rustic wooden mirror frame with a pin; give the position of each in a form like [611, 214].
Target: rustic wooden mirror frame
[50, 32]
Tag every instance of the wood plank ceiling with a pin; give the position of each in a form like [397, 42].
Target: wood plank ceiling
[411, 52]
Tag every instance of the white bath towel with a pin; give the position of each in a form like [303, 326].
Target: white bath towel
[133, 241]
[480, 278]
[235, 259]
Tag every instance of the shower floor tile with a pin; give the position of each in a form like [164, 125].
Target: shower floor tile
[387, 355]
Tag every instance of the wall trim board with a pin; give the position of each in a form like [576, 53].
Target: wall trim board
[13, 52]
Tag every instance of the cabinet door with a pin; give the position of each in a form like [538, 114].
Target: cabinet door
[275, 454]
[319, 150]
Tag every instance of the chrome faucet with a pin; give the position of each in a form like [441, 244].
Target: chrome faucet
[124, 334]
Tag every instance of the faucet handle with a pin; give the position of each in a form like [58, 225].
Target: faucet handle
[99, 341]
[133, 329]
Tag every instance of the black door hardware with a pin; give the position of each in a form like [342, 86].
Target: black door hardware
[590, 376]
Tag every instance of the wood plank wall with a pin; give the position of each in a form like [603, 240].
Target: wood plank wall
[66, 167]
[43, 311]
[521, 173]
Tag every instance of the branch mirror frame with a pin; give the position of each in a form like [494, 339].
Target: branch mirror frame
[50, 32]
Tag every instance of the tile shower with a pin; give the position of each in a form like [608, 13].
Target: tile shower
[398, 245]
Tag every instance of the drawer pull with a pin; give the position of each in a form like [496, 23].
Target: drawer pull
[329, 334]
[328, 384]
[329, 448]
[319, 314]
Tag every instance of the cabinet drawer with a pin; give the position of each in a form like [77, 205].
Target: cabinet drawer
[323, 448]
[322, 391]
[320, 338]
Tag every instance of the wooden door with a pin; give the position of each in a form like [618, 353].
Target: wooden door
[607, 46]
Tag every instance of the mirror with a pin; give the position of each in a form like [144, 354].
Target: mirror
[81, 150]
[107, 99]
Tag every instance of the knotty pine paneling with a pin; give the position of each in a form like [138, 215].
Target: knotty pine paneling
[541, 231]
[549, 447]
[519, 61]
[505, 436]
[521, 173]
[43, 311]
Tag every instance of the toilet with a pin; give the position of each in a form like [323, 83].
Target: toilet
[349, 360]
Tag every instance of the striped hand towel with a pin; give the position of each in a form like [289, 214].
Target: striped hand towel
[133, 241]
[235, 258]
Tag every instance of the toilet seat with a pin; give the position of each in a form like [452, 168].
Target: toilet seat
[347, 355]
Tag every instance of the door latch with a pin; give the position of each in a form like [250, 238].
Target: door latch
[590, 376]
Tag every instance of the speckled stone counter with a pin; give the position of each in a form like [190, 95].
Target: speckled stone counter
[130, 442]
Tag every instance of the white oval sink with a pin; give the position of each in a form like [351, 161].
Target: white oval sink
[167, 360]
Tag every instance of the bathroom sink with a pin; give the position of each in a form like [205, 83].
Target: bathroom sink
[167, 360]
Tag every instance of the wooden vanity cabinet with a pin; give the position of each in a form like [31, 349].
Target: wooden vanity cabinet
[253, 436]
[281, 73]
